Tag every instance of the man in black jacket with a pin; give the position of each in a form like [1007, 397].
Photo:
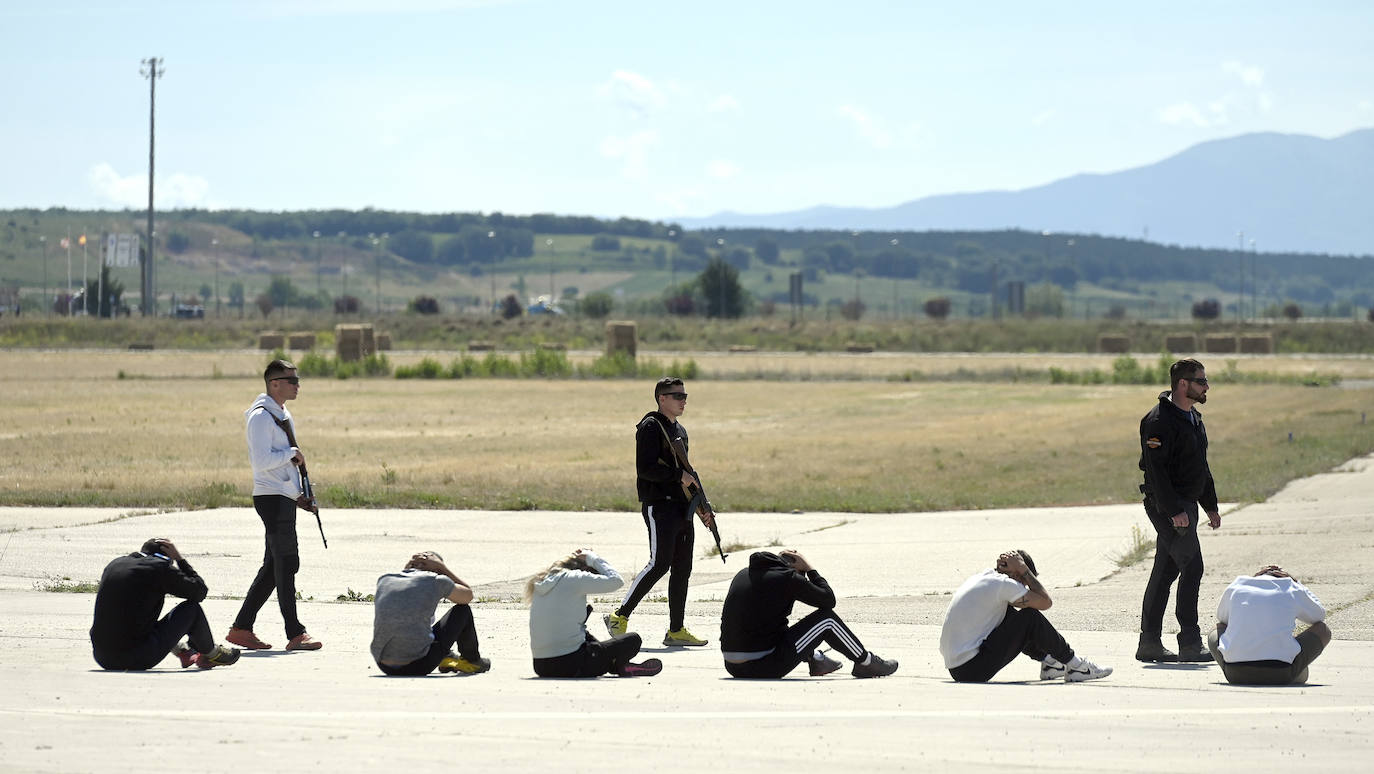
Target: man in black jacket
[1173, 457]
[757, 641]
[661, 481]
[127, 633]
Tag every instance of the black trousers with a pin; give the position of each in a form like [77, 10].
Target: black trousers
[1178, 556]
[1269, 672]
[281, 558]
[455, 628]
[796, 646]
[185, 620]
[671, 535]
[593, 659]
[1024, 630]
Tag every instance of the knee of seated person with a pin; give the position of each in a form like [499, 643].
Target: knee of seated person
[1322, 632]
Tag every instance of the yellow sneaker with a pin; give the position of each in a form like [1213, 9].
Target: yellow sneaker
[616, 625]
[451, 664]
[682, 638]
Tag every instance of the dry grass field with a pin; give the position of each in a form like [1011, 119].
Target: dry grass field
[170, 434]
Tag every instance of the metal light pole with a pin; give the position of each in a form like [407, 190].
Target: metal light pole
[43, 239]
[672, 264]
[152, 70]
[319, 280]
[1240, 251]
[548, 243]
[214, 246]
[720, 279]
[896, 315]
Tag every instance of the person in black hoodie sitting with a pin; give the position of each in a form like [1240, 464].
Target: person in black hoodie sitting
[755, 638]
[127, 633]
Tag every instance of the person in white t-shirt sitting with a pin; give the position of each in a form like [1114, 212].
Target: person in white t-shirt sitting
[996, 615]
[1254, 640]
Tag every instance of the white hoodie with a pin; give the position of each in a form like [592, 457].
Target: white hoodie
[269, 451]
[558, 611]
[1259, 612]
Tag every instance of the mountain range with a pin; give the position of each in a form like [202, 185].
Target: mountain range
[1289, 192]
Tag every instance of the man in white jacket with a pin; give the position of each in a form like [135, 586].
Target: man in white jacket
[1254, 640]
[276, 485]
[559, 640]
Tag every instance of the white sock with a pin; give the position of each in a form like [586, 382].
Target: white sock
[1051, 661]
[1076, 662]
[868, 658]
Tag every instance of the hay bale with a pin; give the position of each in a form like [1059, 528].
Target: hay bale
[858, 348]
[271, 340]
[481, 346]
[1257, 344]
[1181, 343]
[1219, 343]
[1113, 343]
[301, 340]
[384, 342]
[621, 336]
[353, 342]
[141, 347]
[743, 348]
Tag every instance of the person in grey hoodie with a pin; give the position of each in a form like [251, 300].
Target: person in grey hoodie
[559, 640]
[276, 485]
[1254, 640]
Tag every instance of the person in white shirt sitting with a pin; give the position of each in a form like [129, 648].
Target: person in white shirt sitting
[1254, 640]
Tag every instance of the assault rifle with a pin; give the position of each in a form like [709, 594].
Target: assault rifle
[696, 493]
[307, 499]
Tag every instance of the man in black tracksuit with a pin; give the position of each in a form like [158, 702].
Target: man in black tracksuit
[661, 482]
[755, 638]
[127, 633]
[1173, 456]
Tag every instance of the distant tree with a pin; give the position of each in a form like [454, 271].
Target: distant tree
[596, 305]
[1045, 300]
[177, 242]
[720, 290]
[852, 309]
[937, 308]
[767, 251]
[841, 255]
[1292, 311]
[236, 296]
[423, 305]
[412, 245]
[605, 243]
[1206, 309]
[510, 307]
[1369, 315]
[265, 305]
[1116, 312]
[452, 251]
[692, 244]
[738, 257]
[114, 293]
[347, 305]
[205, 292]
[283, 292]
[679, 302]
[1064, 276]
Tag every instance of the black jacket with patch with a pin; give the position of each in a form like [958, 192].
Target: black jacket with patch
[1173, 456]
[754, 616]
[659, 477]
[132, 590]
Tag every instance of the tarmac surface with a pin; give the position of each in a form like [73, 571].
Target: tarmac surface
[332, 710]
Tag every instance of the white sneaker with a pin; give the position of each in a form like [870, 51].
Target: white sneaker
[1052, 670]
[1086, 670]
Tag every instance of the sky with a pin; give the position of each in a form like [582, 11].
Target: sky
[645, 109]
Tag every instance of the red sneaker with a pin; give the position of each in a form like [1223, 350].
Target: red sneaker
[304, 641]
[245, 638]
[646, 668]
[186, 655]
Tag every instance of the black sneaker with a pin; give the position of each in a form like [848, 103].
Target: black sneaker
[876, 667]
[219, 656]
[822, 664]
[1194, 652]
[1153, 651]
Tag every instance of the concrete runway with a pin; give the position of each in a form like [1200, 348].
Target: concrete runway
[332, 710]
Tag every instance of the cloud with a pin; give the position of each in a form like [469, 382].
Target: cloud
[1248, 74]
[721, 169]
[869, 128]
[632, 152]
[723, 103]
[633, 92]
[175, 190]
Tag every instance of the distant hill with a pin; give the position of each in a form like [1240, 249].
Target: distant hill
[1289, 192]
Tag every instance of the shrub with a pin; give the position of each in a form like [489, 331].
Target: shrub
[937, 308]
[264, 303]
[853, 309]
[510, 307]
[596, 305]
[427, 368]
[1292, 311]
[1206, 309]
[423, 305]
[347, 305]
[605, 243]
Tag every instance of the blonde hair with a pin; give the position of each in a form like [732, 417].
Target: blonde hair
[569, 562]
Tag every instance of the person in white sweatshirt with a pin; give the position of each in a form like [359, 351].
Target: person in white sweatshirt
[276, 485]
[559, 640]
[1254, 640]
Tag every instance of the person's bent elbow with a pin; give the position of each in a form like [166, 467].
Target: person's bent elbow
[461, 595]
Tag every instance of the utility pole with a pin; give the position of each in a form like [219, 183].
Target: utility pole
[152, 70]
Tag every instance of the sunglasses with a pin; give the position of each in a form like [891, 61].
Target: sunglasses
[287, 379]
[675, 395]
[1202, 381]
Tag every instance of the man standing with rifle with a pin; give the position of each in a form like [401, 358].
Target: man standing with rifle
[277, 485]
[667, 487]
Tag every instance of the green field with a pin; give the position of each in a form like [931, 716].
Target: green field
[170, 434]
